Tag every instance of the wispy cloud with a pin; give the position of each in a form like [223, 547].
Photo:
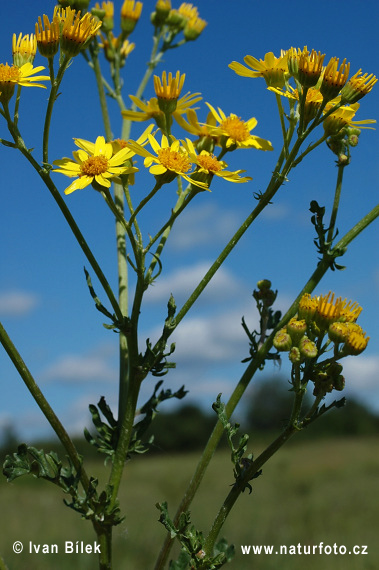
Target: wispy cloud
[17, 303]
[183, 281]
[206, 224]
[96, 365]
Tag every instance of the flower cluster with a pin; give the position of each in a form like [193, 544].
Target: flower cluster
[185, 19]
[318, 88]
[67, 29]
[317, 317]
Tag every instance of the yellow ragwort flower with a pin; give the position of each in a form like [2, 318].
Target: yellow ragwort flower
[130, 14]
[343, 117]
[10, 76]
[193, 28]
[106, 14]
[24, 49]
[77, 31]
[357, 87]
[334, 79]
[330, 310]
[169, 161]
[94, 163]
[356, 340]
[313, 100]
[236, 133]
[271, 68]
[208, 164]
[309, 67]
[307, 307]
[168, 90]
[188, 11]
[48, 34]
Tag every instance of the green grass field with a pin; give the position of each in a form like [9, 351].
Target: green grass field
[319, 491]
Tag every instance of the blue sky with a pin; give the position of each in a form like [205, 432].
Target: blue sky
[44, 301]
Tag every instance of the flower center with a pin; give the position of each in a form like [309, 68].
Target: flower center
[235, 128]
[209, 162]
[173, 160]
[94, 165]
[8, 73]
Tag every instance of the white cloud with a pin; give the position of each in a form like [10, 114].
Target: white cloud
[183, 281]
[204, 225]
[361, 372]
[17, 303]
[96, 365]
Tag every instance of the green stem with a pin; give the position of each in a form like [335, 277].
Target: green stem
[230, 407]
[274, 185]
[43, 404]
[55, 83]
[104, 535]
[3, 566]
[239, 486]
[100, 87]
[337, 196]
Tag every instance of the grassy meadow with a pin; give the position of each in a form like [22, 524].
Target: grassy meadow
[325, 490]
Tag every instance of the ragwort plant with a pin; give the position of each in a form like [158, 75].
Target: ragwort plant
[179, 147]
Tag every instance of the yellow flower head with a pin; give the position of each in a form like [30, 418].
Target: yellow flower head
[343, 117]
[307, 307]
[193, 28]
[77, 31]
[130, 14]
[94, 163]
[168, 161]
[10, 76]
[48, 34]
[313, 100]
[272, 69]
[357, 87]
[236, 133]
[24, 49]
[309, 67]
[106, 14]
[333, 78]
[340, 310]
[168, 90]
[208, 166]
[356, 340]
[188, 11]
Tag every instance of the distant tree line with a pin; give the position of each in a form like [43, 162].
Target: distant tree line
[266, 409]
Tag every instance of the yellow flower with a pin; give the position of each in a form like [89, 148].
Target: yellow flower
[169, 160]
[106, 13]
[333, 78]
[313, 100]
[77, 31]
[329, 310]
[168, 90]
[193, 28]
[272, 69]
[307, 307]
[94, 163]
[208, 164]
[343, 117]
[112, 45]
[10, 76]
[356, 340]
[236, 133]
[24, 49]
[130, 14]
[309, 67]
[150, 109]
[187, 11]
[48, 38]
[357, 87]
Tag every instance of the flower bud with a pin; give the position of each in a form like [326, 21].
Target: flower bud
[296, 329]
[294, 355]
[307, 348]
[282, 340]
